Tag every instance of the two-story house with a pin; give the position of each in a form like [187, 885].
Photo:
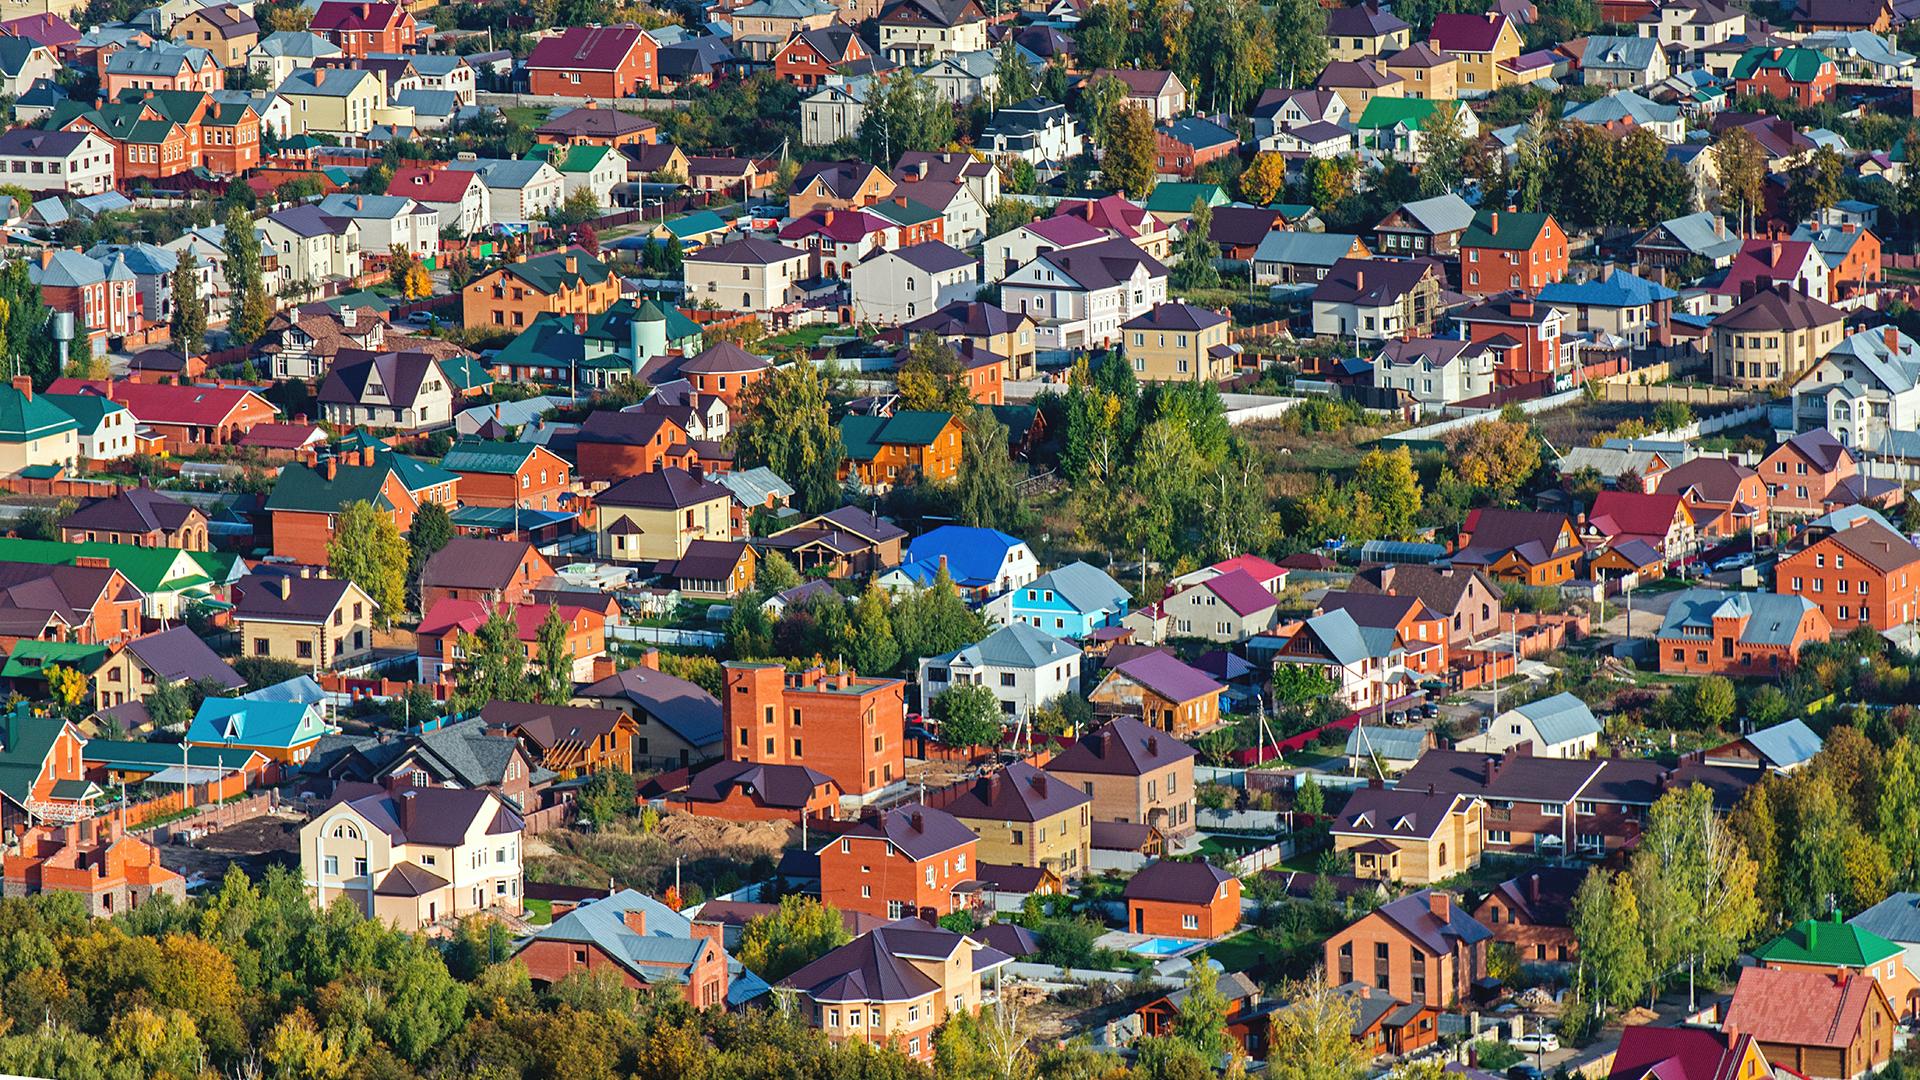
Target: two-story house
[415, 856]
[1134, 774]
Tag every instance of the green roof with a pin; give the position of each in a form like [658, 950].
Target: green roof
[87, 410]
[679, 327]
[151, 570]
[913, 213]
[42, 472]
[28, 739]
[1828, 943]
[698, 223]
[549, 274]
[417, 475]
[131, 755]
[30, 658]
[1797, 65]
[571, 159]
[1516, 231]
[865, 435]
[303, 488]
[466, 373]
[1179, 198]
[1389, 112]
[477, 456]
[25, 419]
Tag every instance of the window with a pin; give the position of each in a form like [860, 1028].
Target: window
[1189, 922]
[331, 866]
[359, 867]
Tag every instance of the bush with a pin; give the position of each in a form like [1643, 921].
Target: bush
[1496, 1056]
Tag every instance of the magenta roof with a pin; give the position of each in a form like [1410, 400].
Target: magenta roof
[1467, 32]
[1239, 591]
[1261, 569]
[843, 226]
[1066, 231]
[586, 48]
[1168, 677]
[352, 15]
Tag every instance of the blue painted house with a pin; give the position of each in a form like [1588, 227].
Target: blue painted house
[1070, 602]
[284, 731]
[981, 562]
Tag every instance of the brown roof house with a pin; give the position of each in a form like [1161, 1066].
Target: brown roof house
[678, 723]
[1465, 597]
[1027, 817]
[1183, 900]
[482, 569]
[1162, 692]
[1533, 913]
[1422, 948]
[1133, 774]
[1417, 837]
[1817, 1024]
[139, 516]
[568, 739]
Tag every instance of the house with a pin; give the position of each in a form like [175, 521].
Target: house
[314, 247]
[407, 391]
[185, 417]
[1864, 575]
[1024, 667]
[104, 306]
[305, 504]
[679, 723]
[226, 30]
[1484, 43]
[1463, 597]
[655, 515]
[711, 569]
[284, 731]
[1079, 296]
[1623, 63]
[1686, 1053]
[508, 474]
[569, 282]
[519, 191]
[1376, 300]
[155, 67]
[1531, 547]
[331, 101]
[1414, 837]
[1801, 77]
[1852, 255]
[140, 516]
[748, 791]
[105, 428]
[1828, 946]
[1178, 342]
[278, 55]
[1182, 900]
[441, 629]
[1134, 774]
[1423, 227]
[1673, 242]
[1182, 147]
[984, 328]
[73, 162]
[1358, 84]
[570, 741]
[41, 772]
[457, 196]
[893, 287]
[642, 941]
[1660, 521]
[1616, 303]
[1248, 1016]
[1863, 391]
[1533, 913]
[837, 185]
[904, 980]
[1725, 498]
[1300, 258]
[1435, 372]
[883, 451]
[1026, 817]
[92, 858]
[1228, 608]
[856, 725]
[388, 221]
[1071, 601]
[1397, 126]
[1161, 692]
[1812, 1022]
[315, 622]
[1561, 726]
[1422, 948]
[1365, 32]
[172, 655]
[848, 542]
[359, 27]
[762, 274]
[414, 856]
[810, 57]
[1712, 632]
[1509, 250]
[919, 32]
[1385, 751]
[905, 862]
[1783, 748]
[302, 342]
[1161, 93]
[1626, 109]
[980, 562]
[1037, 131]
[1358, 662]
[1812, 473]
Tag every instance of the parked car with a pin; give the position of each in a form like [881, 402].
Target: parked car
[1543, 1042]
[1734, 562]
[424, 318]
[1525, 1072]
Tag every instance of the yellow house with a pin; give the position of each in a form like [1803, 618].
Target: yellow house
[1426, 73]
[227, 32]
[414, 857]
[1178, 342]
[1483, 43]
[656, 515]
[1026, 817]
[1364, 31]
[33, 431]
[316, 622]
[332, 101]
[174, 655]
[1411, 837]
[986, 328]
[911, 980]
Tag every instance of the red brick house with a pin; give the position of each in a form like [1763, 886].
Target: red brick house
[1711, 632]
[1506, 249]
[1799, 76]
[645, 942]
[1724, 497]
[1421, 948]
[1533, 913]
[1182, 900]
[909, 861]
[1526, 335]
[810, 56]
[594, 61]
[478, 568]
[93, 859]
[1813, 473]
[1531, 547]
[849, 727]
[305, 504]
[1183, 147]
[748, 791]
[185, 417]
[360, 27]
[615, 445]
[1867, 575]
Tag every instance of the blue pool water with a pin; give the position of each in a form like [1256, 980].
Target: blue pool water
[1162, 946]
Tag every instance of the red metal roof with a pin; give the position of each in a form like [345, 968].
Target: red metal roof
[586, 48]
[353, 15]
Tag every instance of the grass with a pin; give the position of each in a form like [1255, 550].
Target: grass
[529, 116]
[806, 337]
[1239, 952]
[539, 912]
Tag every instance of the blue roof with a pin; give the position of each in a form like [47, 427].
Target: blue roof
[301, 689]
[1341, 635]
[1897, 918]
[665, 953]
[1386, 743]
[1560, 718]
[1785, 744]
[1772, 618]
[246, 722]
[1086, 588]
[1617, 289]
[974, 555]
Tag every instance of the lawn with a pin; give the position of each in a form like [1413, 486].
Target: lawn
[806, 337]
[1239, 952]
[539, 912]
[528, 116]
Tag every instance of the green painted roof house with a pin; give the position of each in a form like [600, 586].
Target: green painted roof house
[1793, 64]
[158, 572]
[1399, 112]
[28, 418]
[1515, 231]
[30, 658]
[1179, 198]
[1827, 943]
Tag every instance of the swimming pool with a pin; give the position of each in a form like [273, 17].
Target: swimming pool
[1164, 946]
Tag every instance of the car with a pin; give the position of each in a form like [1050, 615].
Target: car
[1525, 1072]
[767, 210]
[424, 318]
[1734, 562]
[1430, 710]
[1543, 1042]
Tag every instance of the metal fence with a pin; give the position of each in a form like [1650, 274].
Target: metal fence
[667, 635]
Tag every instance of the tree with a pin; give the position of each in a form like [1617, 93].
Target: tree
[1897, 810]
[1669, 415]
[786, 425]
[1741, 166]
[781, 942]
[774, 573]
[905, 113]
[1195, 268]
[1201, 1021]
[554, 657]
[1443, 143]
[24, 321]
[932, 379]
[432, 530]
[1102, 35]
[607, 797]
[1312, 1038]
[1006, 215]
[1528, 176]
[1236, 38]
[1299, 684]
[405, 270]
[1310, 798]
[873, 648]
[368, 550]
[1496, 455]
[988, 493]
[189, 328]
[1816, 185]
[1012, 78]
[251, 306]
[1390, 489]
[1101, 101]
[969, 715]
[1694, 885]
[1712, 700]
[1299, 41]
[494, 667]
[1606, 923]
[1128, 157]
[1265, 180]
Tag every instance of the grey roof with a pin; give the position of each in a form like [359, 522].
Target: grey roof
[324, 82]
[65, 269]
[1087, 588]
[1773, 618]
[1341, 635]
[1897, 918]
[301, 689]
[428, 102]
[158, 59]
[1018, 645]
[1624, 105]
[1704, 235]
[1386, 743]
[1440, 214]
[1608, 52]
[685, 709]
[1860, 44]
[665, 953]
[376, 207]
[145, 260]
[1561, 718]
[1789, 742]
[468, 753]
[1414, 914]
[1304, 248]
[300, 44]
[753, 487]
[1864, 355]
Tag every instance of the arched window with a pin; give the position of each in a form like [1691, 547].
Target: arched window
[346, 832]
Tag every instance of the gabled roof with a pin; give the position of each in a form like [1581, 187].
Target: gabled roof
[874, 966]
[1799, 1008]
[1508, 230]
[286, 598]
[1085, 588]
[1561, 718]
[242, 722]
[1679, 1053]
[1772, 618]
[1363, 20]
[789, 787]
[1413, 915]
[669, 488]
[471, 562]
[1122, 746]
[1168, 677]
[1016, 645]
[1468, 32]
[1399, 813]
[688, 711]
[1194, 882]
[1827, 943]
[1370, 282]
[919, 831]
[1019, 792]
[1787, 743]
[179, 655]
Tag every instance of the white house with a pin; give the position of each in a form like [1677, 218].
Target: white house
[74, 162]
[1025, 668]
[833, 112]
[1558, 727]
[1435, 372]
[892, 287]
[280, 54]
[457, 196]
[388, 221]
[1318, 140]
[746, 275]
[313, 246]
[1036, 131]
[1867, 388]
[1079, 297]
[517, 191]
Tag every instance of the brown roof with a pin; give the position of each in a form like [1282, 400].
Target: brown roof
[1779, 308]
[1880, 547]
[1019, 792]
[474, 563]
[1712, 479]
[284, 598]
[1121, 747]
[1438, 588]
[1799, 1008]
[1177, 882]
[550, 725]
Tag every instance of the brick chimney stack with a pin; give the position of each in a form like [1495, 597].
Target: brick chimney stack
[635, 920]
[1440, 904]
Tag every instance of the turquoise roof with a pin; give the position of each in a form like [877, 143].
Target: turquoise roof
[282, 725]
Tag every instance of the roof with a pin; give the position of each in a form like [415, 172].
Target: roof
[1679, 1053]
[355, 15]
[666, 952]
[1513, 776]
[1504, 229]
[1387, 112]
[1019, 792]
[974, 556]
[1827, 942]
[1085, 588]
[283, 725]
[919, 831]
[471, 562]
[669, 488]
[305, 599]
[875, 966]
[1793, 64]
[1395, 813]
[155, 403]
[179, 655]
[1799, 1008]
[682, 707]
[1468, 33]
[1017, 645]
[751, 251]
[1363, 20]
[1779, 308]
[1193, 882]
[434, 816]
[1561, 718]
[1787, 743]
[1175, 315]
[789, 787]
[1413, 915]
[1167, 677]
[1122, 746]
[1386, 743]
[1616, 288]
[1370, 282]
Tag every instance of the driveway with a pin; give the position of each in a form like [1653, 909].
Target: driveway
[1649, 610]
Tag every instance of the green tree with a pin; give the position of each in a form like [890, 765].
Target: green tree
[969, 715]
[1391, 490]
[368, 550]
[494, 667]
[786, 425]
[1236, 38]
[1740, 164]
[1012, 78]
[554, 657]
[1669, 415]
[873, 648]
[23, 320]
[432, 530]
[775, 574]
[1300, 41]
[1816, 185]
[1101, 100]
[988, 493]
[189, 308]
[781, 942]
[1201, 1021]
[251, 306]
[1299, 684]
[1128, 158]
[932, 379]
[905, 113]
[1897, 811]
[167, 704]
[1528, 176]
[1312, 1038]
[1195, 268]
[1695, 885]
[1613, 953]
[1102, 35]
[607, 797]
[1712, 700]
[1310, 798]
[935, 620]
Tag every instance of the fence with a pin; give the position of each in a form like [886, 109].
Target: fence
[549, 819]
[668, 635]
[212, 818]
[59, 489]
[539, 101]
[1612, 390]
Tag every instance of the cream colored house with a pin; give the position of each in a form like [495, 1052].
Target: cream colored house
[331, 101]
[1560, 726]
[655, 515]
[313, 246]
[1178, 342]
[1026, 817]
[894, 985]
[1411, 837]
[314, 622]
[746, 275]
[414, 857]
[34, 431]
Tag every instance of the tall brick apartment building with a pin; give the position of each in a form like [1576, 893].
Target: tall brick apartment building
[851, 728]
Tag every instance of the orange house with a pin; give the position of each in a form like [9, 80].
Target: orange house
[1800, 76]
[360, 28]
[1506, 249]
[1867, 575]
[594, 61]
[93, 859]
[1182, 900]
[848, 727]
[837, 185]
[1804, 474]
[905, 862]
[305, 504]
[748, 791]
[985, 373]
[1838, 950]
[1420, 631]
[57, 785]
[886, 450]
[810, 56]
[725, 371]
[438, 635]
[186, 418]
[1710, 632]
[508, 474]
[616, 445]
[229, 139]
[569, 282]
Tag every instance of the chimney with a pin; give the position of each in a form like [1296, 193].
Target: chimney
[1153, 746]
[46, 258]
[319, 75]
[1103, 742]
[1813, 934]
[407, 808]
[827, 218]
[349, 316]
[285, 587]
[579, 320]
[1775, 259]
[1776, 52]
[1440, 904]
[1521, 307]
[943, 564]
[635, 919]
[1086, 210]
[333, 466]
[1493, 223]
[1891, 335]
[24, 384]
[1491, 769]
[649, 659]
[1359, 278]
[1533, 889]
[919, 821]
